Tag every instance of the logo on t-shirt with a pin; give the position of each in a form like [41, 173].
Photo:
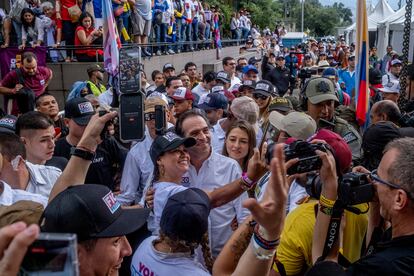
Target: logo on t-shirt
[141, 270]
[85, 108]
[111, 202]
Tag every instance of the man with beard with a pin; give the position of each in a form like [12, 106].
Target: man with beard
[96, 77]
[28, 77]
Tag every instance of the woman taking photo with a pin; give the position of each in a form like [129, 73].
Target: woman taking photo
[85, 36]
[32, 29]
[240, 142]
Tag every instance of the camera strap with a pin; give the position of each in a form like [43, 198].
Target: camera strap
[333, 229]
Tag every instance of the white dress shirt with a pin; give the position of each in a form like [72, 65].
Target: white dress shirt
[10, 196]
[42, 178]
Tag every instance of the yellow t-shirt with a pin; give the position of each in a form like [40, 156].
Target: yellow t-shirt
[295, 249]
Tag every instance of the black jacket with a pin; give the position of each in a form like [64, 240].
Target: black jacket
[279, 77]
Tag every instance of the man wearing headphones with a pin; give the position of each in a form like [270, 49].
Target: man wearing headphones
[318, 99]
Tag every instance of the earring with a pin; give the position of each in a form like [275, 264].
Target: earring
[162, 171]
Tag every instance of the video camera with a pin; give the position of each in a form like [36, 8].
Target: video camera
[306, 73]
[354, 188]
[306, 152]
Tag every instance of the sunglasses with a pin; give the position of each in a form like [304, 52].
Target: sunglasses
[375, 177]
[149, 116]
[257, 96]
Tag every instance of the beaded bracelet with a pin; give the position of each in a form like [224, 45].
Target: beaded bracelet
[262, 242]
[326, 210]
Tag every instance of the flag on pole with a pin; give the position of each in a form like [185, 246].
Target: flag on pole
[362, 82]
[111, 40]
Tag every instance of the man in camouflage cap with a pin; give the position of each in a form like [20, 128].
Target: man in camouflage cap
[318, 99]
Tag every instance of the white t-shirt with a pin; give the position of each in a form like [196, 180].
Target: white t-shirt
[163, 191]
[148, 261]
[41, 178]
[235, 80]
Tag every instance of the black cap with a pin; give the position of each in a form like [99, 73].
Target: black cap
[80, 110]
[91, 211]
[254, 60]
[265, 87]
[223, 76]
[8, 124]
[185, 215]
[167, 142]
[247, 84]
[168, 66]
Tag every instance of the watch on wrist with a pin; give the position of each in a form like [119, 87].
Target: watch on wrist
[84, 154]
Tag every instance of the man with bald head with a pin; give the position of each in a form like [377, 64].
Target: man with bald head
[385, 110]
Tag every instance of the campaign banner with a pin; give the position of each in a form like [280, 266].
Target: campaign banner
[11, 58]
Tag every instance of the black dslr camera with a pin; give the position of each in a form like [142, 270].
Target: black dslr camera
[306, 152]
[353, 189]
[308, 159]
[306, 73]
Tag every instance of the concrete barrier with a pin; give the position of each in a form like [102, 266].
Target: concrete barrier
[65, 74]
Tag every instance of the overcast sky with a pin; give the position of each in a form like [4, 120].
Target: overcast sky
[352, 3]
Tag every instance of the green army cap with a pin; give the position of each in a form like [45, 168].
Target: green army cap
[280, 104]
[319, 90]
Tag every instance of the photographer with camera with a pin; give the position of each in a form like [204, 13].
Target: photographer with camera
[392, 183]
[294, 255]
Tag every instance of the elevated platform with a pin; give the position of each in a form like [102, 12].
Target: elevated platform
[65, 74]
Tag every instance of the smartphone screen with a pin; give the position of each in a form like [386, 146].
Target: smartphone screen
[131, 117]
[51, 254]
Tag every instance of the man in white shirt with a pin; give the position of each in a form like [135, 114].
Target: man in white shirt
[208, 171]
[23, 175]
[204, 87]
[9, 196]
[229, 66]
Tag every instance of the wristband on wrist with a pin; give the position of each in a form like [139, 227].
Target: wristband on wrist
[246, 183]
[326, 202]
[263, 249]
[326, 210]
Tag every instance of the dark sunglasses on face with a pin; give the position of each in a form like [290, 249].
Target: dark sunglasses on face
[375, 177]
[257, 96]
[149, 116]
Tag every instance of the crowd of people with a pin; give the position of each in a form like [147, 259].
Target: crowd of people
[173, 25]
[254, 166]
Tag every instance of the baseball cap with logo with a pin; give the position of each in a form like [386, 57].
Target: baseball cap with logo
[214, 101]
[395, 62]
[247, 84]
[168, 66]
[296, 124]
[265, 87]
[319, 90]
[167, 142]
[223, 76]
[280, 104]
[182, 94]
[95, 67]
[391, 87]
[91, 211]
[8, 124]
[80, 110]
[185, 215]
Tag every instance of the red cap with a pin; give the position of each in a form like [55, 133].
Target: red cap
[341, 150]
[182, 94]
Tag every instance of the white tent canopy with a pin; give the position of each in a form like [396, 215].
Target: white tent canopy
[391, 31]
[382, 10]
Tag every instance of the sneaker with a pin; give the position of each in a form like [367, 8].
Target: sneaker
[145, 51]
[171, 52]
[158, 53]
